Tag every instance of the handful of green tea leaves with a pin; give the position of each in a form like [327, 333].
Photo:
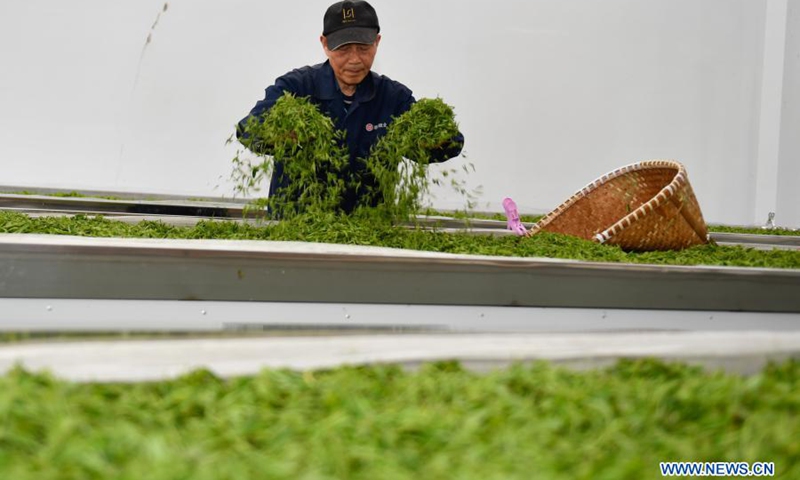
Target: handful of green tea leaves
[296, 140]
[399, 184]
[303, 141]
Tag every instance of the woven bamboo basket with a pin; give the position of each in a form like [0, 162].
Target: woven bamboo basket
[641, 207]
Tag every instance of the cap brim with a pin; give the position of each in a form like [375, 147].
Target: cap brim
[351, 35]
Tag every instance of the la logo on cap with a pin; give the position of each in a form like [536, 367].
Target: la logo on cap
[348, 14]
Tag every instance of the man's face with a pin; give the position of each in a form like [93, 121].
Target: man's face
[352, 62]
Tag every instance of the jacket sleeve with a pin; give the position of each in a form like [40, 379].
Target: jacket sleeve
[450, 149]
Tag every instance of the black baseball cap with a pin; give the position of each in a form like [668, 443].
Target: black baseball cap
[350, 22]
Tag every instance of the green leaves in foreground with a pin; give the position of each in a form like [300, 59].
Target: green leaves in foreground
[363, 229]
[381, 422]
[300, 139]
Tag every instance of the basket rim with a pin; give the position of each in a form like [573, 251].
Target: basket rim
[664, 195]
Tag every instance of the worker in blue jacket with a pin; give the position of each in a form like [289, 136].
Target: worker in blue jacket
[358, 100]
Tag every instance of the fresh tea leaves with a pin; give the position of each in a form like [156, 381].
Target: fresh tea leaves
[400, 185]
[300, 144]
[384, 422]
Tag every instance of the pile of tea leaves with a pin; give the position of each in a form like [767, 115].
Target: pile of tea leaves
[363, 229]
[441, 422]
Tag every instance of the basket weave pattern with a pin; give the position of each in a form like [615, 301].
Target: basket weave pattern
[641, 207]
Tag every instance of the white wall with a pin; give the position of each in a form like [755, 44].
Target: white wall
[788, 201]
[550, 94]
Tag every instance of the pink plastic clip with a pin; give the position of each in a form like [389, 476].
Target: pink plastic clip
[514, 224]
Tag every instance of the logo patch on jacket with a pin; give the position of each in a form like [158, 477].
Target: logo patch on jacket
[370, 127]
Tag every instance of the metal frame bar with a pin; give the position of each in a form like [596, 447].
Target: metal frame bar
[44, 266]
[42, 203]
[280, 318]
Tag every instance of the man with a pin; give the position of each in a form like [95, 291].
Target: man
[359, 101]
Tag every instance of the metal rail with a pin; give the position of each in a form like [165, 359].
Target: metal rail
[306, 318]
[44, 266]
[787, 241]
[496, 227]
[97, 206]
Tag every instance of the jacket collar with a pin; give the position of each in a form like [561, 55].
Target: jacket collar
[327, 88]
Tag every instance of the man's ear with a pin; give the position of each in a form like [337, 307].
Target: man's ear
[324, 42]
[377, 39]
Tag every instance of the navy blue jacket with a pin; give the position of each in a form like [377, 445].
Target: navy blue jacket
[377, 100]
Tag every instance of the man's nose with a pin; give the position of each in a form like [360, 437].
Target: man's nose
[353, 57]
